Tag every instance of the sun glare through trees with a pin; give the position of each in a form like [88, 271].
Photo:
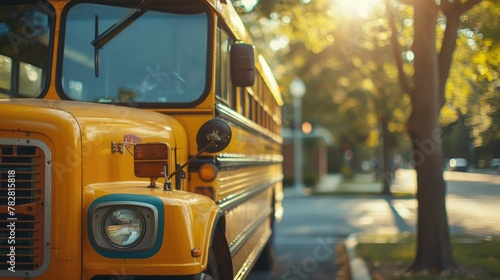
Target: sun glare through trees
[361, 8]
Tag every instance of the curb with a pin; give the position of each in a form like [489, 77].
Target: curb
[357, 266]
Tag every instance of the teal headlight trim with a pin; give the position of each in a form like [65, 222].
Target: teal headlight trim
[127, 200]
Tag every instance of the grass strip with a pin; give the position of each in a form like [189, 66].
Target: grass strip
[388, 257]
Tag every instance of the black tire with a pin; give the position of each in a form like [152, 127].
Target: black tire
[219, 266]
[266, 259]
[212, 271]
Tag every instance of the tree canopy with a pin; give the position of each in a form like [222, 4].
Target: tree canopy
[343, 54]
[356, 86]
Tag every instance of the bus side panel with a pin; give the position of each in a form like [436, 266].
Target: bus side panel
[247, 245]
[249, 211]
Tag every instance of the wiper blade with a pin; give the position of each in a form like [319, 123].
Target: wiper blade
[96, 50]
[120, 25]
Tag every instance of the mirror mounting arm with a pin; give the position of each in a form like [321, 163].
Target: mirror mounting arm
[214, 136]
[179, 169]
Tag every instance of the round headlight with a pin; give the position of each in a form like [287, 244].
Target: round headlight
[123, 227]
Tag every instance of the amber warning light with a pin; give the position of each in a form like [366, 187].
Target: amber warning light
[150, 160]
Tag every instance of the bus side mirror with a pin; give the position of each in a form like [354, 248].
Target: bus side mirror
[242, 65]
[213, 136]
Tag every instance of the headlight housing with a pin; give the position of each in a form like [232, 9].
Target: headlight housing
[124, 226]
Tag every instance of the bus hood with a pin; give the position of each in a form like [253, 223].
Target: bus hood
[123, 123]
[106, 132]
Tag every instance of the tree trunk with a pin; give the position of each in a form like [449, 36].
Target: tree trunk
[386, 157]
[433, 242]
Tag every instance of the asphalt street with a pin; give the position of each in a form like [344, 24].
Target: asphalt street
[306, 238]
[312, 227]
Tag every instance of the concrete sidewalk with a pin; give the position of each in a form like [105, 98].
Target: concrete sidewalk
[404, 182]
[360, 183]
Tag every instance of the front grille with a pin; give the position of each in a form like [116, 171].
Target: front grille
[23, 179]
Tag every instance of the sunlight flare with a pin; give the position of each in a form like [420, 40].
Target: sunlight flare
[361, 8]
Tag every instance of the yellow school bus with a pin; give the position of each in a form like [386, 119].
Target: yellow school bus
[139, 139]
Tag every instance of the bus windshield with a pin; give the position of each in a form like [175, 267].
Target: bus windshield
[142, 53]
[25, 33]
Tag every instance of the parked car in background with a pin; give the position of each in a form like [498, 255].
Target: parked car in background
[495, 164]
[458, 164]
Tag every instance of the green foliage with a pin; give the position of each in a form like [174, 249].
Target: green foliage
[311, 179]
[344, 59]
[346, 62]
[472, 88]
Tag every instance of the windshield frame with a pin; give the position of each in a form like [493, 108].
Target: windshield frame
[178, 7]
[50, 12]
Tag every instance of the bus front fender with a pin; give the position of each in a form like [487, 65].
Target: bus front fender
[185, 224]
[191, 227]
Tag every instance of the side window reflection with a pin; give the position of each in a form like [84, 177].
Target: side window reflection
[24, 52]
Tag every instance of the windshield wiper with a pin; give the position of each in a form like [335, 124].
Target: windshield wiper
[110, 33]
[121, 24]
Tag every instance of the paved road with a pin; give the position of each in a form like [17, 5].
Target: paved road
[472, 204]
[304, 243]
[312, 226]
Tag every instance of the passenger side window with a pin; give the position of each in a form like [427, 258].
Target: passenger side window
[223, 86]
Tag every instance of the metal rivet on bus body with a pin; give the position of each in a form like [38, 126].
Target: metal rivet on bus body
[27, 133]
